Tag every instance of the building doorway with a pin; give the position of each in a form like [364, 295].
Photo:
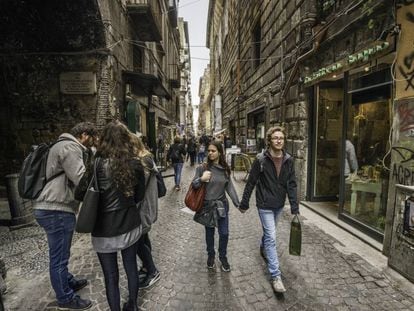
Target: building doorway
[327, 138]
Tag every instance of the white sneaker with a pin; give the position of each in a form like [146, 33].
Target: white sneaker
[277, 285]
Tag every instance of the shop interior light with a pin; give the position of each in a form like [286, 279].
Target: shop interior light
[366, 69]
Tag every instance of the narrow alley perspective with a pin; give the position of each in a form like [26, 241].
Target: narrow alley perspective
[206, 155]
[325, 277]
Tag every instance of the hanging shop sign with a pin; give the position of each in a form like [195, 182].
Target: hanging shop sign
[349, 62]
[78, 83]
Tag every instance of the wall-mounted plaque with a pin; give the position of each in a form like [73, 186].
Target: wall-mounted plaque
[78, 83]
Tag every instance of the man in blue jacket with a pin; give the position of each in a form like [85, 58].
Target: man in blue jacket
[273, 174]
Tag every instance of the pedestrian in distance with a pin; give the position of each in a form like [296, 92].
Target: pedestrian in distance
[149, 274]
[192, 150]
[273, 174]
[216, 175]
[176, 155]
[56, 206]
[121, 184]
[201, 153]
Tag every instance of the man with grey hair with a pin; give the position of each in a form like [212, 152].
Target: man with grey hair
[56, 206]
[273, 174]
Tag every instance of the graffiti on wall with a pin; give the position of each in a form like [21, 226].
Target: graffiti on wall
[405, 55]
[405, 114]
[403, 147]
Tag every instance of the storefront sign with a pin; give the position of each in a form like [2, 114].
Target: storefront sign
[78, 83]
[348, 63]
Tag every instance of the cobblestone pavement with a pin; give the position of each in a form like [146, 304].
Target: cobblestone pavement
[323, 278]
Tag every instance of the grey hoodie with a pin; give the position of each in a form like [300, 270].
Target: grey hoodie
[67, 156]
[218, 184]
[149, 205]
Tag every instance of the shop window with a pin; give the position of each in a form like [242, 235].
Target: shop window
[368, 128]
[256, 132]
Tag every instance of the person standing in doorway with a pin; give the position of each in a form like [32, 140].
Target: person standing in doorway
[176, 155]
[273, 174]
[217, 176]
[351, 162]
[56, 206]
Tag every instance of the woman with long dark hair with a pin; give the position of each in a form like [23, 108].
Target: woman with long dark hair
[216, 175]
[121, 184]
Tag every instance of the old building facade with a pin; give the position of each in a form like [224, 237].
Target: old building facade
[186, 109]
[93, 62]
[336, 74]
[204, 108]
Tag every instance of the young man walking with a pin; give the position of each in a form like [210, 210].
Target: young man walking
[273, 174]
[55, 210]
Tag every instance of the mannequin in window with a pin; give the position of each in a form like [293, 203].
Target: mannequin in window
[351, 162]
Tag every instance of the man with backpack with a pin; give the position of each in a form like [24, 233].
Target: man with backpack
[55, 209]
[176, 155]
[273, 174]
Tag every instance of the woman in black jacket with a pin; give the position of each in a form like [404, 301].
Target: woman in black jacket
[121, 183]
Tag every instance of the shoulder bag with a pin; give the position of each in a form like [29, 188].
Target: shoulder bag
[295, 239]
[195, 197]
[89, 209]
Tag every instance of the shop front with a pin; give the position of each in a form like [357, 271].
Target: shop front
[256, 142]
[351, 125]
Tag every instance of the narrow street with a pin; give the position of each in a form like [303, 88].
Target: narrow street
[323, 278]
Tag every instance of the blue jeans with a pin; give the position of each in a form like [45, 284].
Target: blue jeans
[109, 264]
[269, 220]
[201, 156]
[223, 231]
[59, 227]
[178, 167]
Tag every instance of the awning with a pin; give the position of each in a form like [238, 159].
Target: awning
[144, 84]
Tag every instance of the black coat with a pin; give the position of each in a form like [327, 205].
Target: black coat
[117, 214]
[179, 150]
[271, 190]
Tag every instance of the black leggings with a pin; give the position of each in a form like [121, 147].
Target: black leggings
[110, 270]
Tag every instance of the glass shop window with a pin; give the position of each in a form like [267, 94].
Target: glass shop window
[367, 142]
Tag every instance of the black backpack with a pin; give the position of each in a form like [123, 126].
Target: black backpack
[175, 154]
[32, 178]
[162, 189]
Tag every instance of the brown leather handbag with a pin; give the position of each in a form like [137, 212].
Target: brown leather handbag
[195, 197]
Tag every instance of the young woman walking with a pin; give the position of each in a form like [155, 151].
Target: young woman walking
[216, 175]
[121, 184]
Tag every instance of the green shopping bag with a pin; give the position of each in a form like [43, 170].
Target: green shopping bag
[295, 240]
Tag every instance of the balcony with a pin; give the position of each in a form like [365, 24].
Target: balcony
[144, 84]
[147, 18]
